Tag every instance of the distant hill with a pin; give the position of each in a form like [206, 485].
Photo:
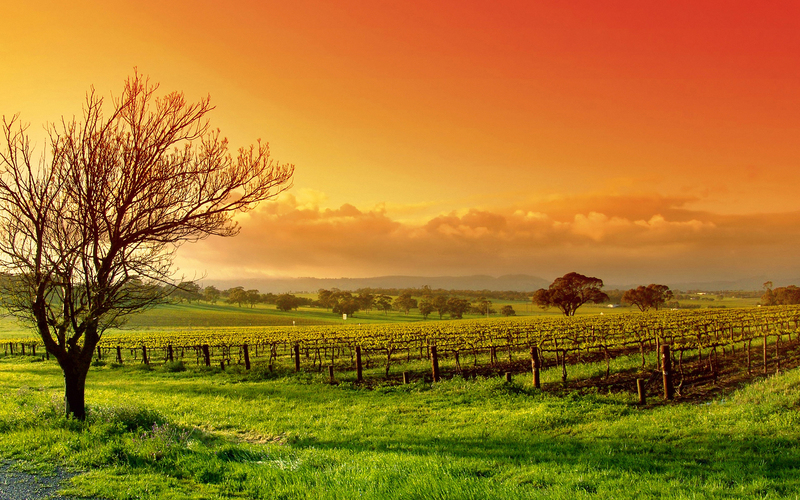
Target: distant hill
[511, 282]
[744, 284]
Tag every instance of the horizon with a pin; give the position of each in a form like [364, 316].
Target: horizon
[640, 144]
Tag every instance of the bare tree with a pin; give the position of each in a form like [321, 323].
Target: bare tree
[88, 232]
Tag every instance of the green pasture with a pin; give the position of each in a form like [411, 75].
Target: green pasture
[177, 432]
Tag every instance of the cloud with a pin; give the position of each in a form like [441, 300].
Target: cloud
[621, 237]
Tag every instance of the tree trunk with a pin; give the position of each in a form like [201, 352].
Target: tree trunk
[75, 361]
[74, 390]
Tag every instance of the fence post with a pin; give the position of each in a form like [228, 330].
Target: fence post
[508, 377]
[170, 354]
[640, 390]
[765, 353]
[330, 375]
[666, 370]
[535, 366]
[405, 377]
[246, 352]
[297, 357]
[435, 363]
[206, 355]
[99, 353]
[359, 367]
[23, 347]
[144, 355]
[119, 355]
[33, 351]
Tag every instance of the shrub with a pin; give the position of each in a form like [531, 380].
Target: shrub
[175, 366]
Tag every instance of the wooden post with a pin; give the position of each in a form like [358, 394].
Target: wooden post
[145, 360]
[658, 349]
[666, 370]
[99, 353]
[765, 354]
[359, 366]
[777, 353]
[749, 363]
[330, 375]
[564, 367]
[297, 357]
[508, 377]
[206, 355]
[119, 355]
[435, 363]
[23, 347]
[405, 377]
[640, 390]
[33, 349]
[222, 364]
[170, 353]
[536, 366]
[246, 352]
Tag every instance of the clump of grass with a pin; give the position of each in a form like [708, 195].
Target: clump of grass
[127, 417]
[174, 366]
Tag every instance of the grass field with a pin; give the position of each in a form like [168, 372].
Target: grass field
[202, 433]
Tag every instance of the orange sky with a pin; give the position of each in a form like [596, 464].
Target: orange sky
[635, 141]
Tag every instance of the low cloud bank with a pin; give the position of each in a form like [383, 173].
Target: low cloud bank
[624, 239]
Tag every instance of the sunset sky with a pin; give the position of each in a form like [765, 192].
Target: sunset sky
[634, 141]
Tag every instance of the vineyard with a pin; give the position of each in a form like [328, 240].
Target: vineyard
[461, 346]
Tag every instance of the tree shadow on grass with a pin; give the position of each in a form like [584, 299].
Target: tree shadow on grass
[713, 456]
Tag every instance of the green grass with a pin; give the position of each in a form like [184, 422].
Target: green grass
[203, 433]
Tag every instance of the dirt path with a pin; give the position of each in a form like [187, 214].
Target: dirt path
[15, 485]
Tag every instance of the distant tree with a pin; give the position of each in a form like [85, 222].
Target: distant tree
[569, 292]
[508, 311]
[188, 291]
[211, 294]
[768, 299]
[237, 296]
[384, 303]
[366, 301]
[268, 298]
[483, 307]
[252, 297]
[325, 298]
[784, 296]
[439, 304]
[425, 308]
[287, 302]
[457, 307]
[346, 304]
[405, 302]
[644, 298]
